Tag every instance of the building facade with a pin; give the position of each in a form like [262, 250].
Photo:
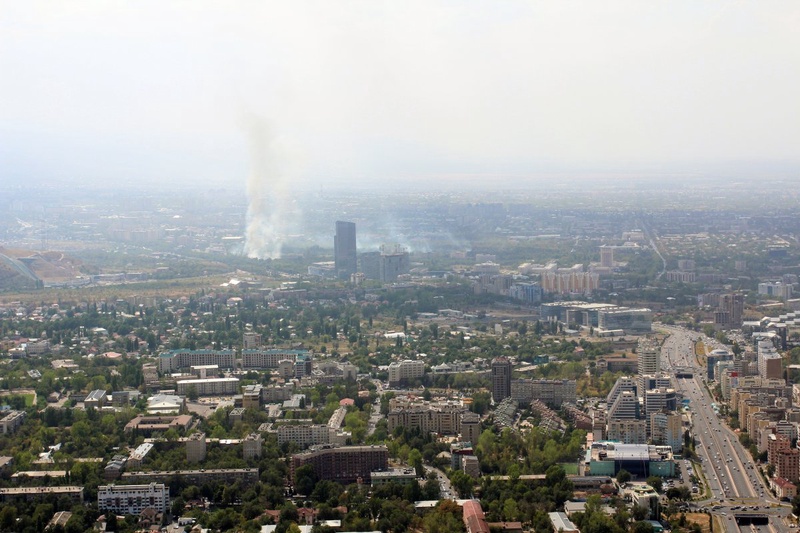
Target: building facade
[501, 379]
[132, 499]
[345, 464]
[344, 249]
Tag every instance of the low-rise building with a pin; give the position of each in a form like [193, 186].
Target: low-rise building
[11, 422]
[146, 425]
[247, 476]
[562, 524]
[393, 475]
[32, 494]
[641, 460]
[95, 399]
[138, 455]
[783, 488]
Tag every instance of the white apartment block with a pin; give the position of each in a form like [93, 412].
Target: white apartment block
[132, 499]
[649, 357]
[169, 362]
[406, 370]
[307, 435]
[210, 387]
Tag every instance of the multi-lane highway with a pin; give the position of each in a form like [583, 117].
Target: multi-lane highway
[734, 483]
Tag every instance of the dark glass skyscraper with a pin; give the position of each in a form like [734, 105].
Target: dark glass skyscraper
[501, 379]
[344, 249]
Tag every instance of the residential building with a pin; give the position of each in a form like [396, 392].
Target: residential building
[196, 447]
[649, 354]
[444, 419]
[730, 310]
[11, 422]
[666, 428]
[406, 370]
[251, 340]
[625, 407]
[623, 383]
[307, 435]
[270, 358]
[787, 464]
[35, 494]
[657, 400]
[132, 499]
[345, 464]
[174, 360]
[252, 446]
[501, 379]
[226, 476]
[627, 431]
[784, 291]
[251, 396]
[138, 455]
[209, 386]
[770, 362]
[783, 488]
[607, 256]
[553, 392]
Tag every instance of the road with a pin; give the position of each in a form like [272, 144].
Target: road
[731, 476]
[446, 490]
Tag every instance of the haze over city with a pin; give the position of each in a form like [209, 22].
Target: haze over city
[383, 93]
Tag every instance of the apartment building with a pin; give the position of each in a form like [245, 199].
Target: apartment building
[344, 464]
[132, 499]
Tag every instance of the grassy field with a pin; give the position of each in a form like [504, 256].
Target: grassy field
[571, 469]
[30, 398]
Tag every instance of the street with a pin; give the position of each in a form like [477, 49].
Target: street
[735, 485]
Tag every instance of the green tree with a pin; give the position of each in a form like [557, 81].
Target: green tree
[191, 393]
[415, 460]
[656, 482]
[462, 482]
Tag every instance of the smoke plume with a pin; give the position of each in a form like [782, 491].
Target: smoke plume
[266, 193]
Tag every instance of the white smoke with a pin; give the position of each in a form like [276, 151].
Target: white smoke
[267, 187]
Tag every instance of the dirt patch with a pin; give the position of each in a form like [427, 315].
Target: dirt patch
[703, 520]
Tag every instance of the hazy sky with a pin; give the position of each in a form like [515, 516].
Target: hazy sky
[371, 91]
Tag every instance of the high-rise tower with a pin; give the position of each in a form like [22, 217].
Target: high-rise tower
[344, 249]
[501, 379]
